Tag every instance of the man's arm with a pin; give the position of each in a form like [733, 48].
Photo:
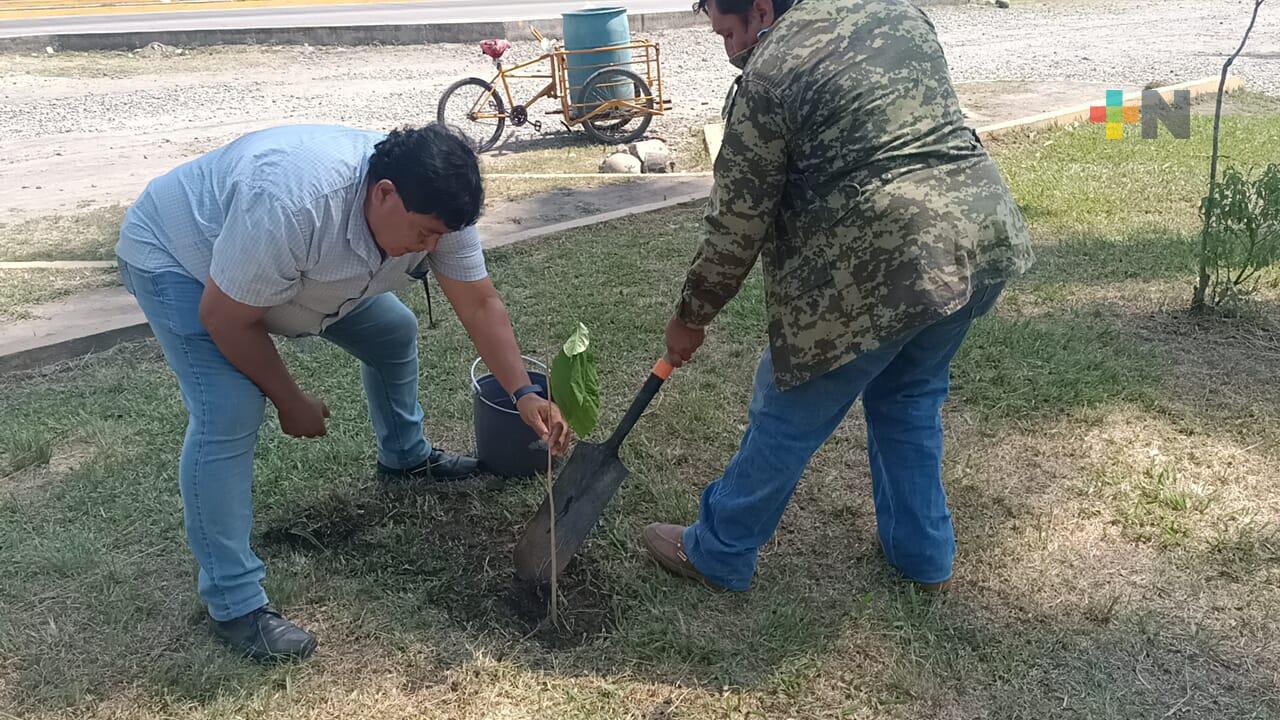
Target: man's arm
[750, 174]
[485, 318]
[240, 333]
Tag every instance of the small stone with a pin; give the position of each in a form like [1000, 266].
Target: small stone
[156, 49]
[1002, 4]
[654, 156]
[621, 164]
[48, 50]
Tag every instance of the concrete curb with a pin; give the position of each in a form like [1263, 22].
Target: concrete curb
[89, 322]
[72, 348]
[1080, 113]
[405, 34]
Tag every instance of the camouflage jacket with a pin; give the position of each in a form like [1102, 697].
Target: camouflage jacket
[847, 164]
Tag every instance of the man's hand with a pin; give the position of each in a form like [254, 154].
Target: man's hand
[240, 333]
[682, 341]
[545, 419]
[485, 318]
[303, 416]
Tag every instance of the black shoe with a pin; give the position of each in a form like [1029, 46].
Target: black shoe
[440, 467]
[264, 634]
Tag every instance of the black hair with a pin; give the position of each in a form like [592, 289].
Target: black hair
[435, 171]
[741, 7]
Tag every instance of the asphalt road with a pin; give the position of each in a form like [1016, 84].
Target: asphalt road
[434, 11]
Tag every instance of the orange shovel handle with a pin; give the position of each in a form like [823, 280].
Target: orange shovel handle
[663, 368]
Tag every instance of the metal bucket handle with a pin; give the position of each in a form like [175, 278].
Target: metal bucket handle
[475, 382]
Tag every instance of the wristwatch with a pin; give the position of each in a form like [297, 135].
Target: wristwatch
[526, 390]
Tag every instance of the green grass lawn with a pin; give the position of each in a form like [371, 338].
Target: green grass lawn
[1113, 466]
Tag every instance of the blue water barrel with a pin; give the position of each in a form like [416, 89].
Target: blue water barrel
[590, 29]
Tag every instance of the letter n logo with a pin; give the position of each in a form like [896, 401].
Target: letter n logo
[1176, 117]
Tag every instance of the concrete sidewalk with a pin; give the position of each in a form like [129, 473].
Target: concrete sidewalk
[84, 323]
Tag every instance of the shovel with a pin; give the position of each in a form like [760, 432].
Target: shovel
[585, 485]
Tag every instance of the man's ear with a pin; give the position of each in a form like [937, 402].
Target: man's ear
[763, 10]
[383, 190]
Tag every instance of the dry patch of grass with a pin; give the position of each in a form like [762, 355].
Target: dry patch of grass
[561, 152]
[21, 290]
[88, 235]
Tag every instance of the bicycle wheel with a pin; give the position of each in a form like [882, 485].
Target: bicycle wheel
[463, 101]
[618, 125]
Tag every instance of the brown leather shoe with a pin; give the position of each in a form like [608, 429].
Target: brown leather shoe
[666, 544]
[934, 588]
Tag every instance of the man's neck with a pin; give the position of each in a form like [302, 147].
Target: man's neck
[367, 203]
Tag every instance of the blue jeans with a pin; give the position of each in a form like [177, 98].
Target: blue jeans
[225, 409]
[903, 385]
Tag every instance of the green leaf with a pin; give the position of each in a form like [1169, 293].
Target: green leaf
[575, 383]
[578, 341]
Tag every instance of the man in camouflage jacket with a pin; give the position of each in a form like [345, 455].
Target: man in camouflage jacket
[885, 230]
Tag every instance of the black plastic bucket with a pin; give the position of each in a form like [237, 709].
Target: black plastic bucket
[504, 444]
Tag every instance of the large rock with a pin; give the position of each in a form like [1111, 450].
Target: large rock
[644, 148]
[622, 164]
[654, 156]
[659, 163]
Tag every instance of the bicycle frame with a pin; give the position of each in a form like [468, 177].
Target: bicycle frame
[558, 86]
[505, 74]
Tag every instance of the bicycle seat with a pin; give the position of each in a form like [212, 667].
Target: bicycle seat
[495, 48]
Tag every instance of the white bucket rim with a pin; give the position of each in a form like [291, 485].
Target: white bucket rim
[475, 381]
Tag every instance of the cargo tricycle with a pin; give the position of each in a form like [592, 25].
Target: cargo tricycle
[615, 104]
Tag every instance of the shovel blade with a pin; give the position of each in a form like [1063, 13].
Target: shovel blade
[584, 487]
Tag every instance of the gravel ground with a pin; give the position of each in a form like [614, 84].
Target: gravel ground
[1123, 42]
[365, 86]
[130, 117]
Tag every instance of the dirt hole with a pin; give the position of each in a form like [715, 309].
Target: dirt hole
[458, 559]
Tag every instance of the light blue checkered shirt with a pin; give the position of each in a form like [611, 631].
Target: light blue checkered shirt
[276, 218]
